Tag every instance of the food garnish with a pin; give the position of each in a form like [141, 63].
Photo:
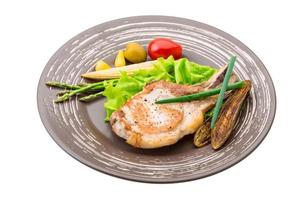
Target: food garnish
[203, 134]
[91, 97]
[135, 53]
[116, 72]
[78, 89]
[62, 85]
[101, 65]
[164, 47]
[200, 95]
[120, 59]
[228, 116]
[222, 91]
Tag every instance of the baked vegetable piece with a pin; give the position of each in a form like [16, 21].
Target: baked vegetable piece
[228, 116]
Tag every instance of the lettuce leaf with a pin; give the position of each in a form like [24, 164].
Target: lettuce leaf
[181, 71]
[117, 95]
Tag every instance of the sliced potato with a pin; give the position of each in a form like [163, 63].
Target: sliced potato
[101, 65]
[120, 59]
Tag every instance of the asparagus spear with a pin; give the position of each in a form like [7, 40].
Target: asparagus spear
[66, 85]
[91, 97]
[82, 84]
[66, 96]
[63, 92]
[92, 87]
[91, 91]
[72, 90]
[62, 85]
[72, 87]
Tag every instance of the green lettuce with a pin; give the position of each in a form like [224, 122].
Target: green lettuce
[180, 71]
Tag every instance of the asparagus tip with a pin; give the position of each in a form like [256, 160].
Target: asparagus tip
[61, 99]
[58, 100]
[49, 83]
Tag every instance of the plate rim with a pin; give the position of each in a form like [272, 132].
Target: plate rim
[219, 169]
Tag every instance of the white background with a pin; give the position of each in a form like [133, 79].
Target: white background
[32, 166]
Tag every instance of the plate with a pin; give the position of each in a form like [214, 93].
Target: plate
[79, 129]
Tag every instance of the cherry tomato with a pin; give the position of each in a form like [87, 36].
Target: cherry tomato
[164, 47]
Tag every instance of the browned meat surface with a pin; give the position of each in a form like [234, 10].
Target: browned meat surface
[145, 124]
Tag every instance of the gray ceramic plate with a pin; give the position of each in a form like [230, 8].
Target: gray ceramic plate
[79, 129]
